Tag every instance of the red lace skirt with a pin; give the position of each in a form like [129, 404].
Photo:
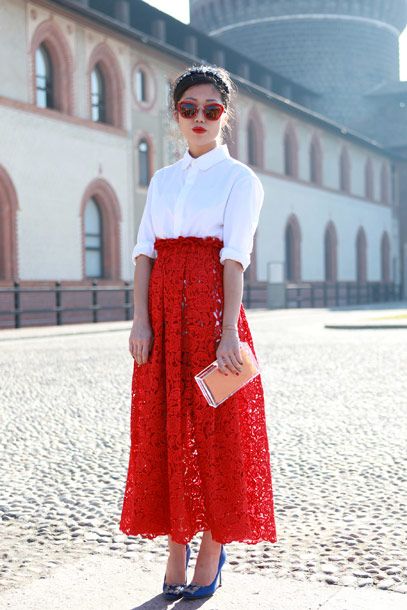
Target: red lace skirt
[193, 467]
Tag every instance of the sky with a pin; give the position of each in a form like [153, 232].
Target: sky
[180, 10]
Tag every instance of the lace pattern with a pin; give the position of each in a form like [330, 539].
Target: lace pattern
[192, 467]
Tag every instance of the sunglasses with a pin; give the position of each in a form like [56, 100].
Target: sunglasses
[189, 110]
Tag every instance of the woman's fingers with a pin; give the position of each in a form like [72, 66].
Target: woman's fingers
[140, 349]
[230, 362]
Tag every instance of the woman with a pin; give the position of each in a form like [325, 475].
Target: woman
[193, 467]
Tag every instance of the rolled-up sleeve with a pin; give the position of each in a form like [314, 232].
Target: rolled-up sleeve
[146, 236]
[241, 218]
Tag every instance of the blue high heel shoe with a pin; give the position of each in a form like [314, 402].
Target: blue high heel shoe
[197, 591]
[175, 591]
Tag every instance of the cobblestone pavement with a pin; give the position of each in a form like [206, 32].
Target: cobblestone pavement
[336, 410]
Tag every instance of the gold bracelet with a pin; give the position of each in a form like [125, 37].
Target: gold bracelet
[229, 327]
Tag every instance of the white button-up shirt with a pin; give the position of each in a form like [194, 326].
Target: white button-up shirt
[213, 194]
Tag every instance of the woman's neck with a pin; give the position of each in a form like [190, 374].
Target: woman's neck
[197, 151]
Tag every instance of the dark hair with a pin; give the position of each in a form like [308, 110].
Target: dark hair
[205, 73]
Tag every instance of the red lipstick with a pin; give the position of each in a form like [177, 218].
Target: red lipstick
[199, 129]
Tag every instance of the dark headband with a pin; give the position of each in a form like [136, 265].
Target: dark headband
[200, 73]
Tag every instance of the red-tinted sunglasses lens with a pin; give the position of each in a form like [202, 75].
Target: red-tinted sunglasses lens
[213, 111]
[188, 110]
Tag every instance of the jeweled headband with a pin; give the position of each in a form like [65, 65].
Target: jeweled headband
[195, 74]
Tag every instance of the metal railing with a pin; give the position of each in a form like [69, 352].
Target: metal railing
[59, 309]
[297, 295]
[341, 293]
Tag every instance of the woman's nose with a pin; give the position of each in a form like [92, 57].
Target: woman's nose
[200, 109]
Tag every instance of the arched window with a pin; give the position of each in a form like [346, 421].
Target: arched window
[231, 136]
[292, 240]
[43, 78]
[167, 91]
[98, 93]
[384, 184]
[141, 85]
[290, 153]
[315, 161]
[385, 257]
[361, 260]
[52, 68]
[344, 171]
[101, 216]
[110, 93]
[8, 227]
[330, 253]
[252, 144]
[255, 139]
[93, 240]
[289, 253]
[144, 162]
[369, 184]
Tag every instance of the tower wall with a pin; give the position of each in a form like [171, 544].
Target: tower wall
[340, 48]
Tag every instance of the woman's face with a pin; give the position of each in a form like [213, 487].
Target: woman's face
[201, 94]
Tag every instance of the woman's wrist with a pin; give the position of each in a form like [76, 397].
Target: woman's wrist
[232, 327]
[141, 317]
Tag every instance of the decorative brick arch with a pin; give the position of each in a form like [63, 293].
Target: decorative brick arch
[290, 151]
[361, 257]
[330, 252]
[109, 207]
[144, 136]
[8, 227]
[369, 180]
[385, 257]
[49, 34]
[292, 242]
[384, 183]
[232, 137]
[103, 56]
[315, 160]
[344, 170]
[255, 139]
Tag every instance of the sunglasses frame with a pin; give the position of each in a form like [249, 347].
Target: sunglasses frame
[196, 109]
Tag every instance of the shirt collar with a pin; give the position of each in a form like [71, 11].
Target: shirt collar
[205, 161]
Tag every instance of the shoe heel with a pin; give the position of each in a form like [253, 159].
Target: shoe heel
[195, 591]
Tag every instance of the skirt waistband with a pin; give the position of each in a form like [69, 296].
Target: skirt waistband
[209, 241]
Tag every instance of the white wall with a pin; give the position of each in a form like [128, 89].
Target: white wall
[51, 163]
[314, 208]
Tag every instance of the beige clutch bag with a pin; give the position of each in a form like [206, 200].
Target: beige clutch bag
[217, 387]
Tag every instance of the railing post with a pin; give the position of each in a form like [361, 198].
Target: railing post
[17, 318]
[94, 301]
[58, 302]
[127, 300]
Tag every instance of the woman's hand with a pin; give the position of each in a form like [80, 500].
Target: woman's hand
[228, 353]
[141, 340]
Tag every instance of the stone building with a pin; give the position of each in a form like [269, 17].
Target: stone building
[84, 123]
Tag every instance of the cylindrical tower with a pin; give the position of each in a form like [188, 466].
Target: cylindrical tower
[339, 48]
